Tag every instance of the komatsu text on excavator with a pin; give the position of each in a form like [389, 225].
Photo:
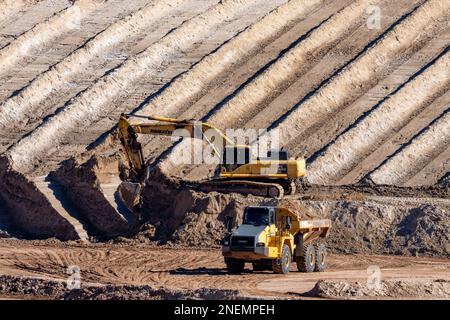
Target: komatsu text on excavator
[271, 176]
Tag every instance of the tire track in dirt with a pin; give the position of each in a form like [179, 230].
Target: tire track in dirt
[43, 33]
[94, 103]
[30, 105]
[193, 268]
[370, 131]
[412, 32]
[415, 155]
[181, 268]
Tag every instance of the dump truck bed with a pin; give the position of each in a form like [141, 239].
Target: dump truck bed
[319, 227]
[313, 225]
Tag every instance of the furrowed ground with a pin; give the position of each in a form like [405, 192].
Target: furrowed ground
[367, 105]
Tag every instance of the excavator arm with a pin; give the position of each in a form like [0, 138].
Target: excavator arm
[128, 134]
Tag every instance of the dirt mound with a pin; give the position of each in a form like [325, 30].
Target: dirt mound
[37, 287]
[439, 289]
[366, 224]
[424, 229]
[367, 189]
[347, 151]
[388, 227]
[128, 292]
[33, 213]
[90, 193]
[295, 206]
[190, 217]
[14, 285]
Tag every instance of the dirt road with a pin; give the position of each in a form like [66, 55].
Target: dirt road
[191, 269]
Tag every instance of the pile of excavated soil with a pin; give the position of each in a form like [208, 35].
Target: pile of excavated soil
[14, 285]
[377, 227]
[361, 191]
[438, 289]
[374, 225]
[52, 289]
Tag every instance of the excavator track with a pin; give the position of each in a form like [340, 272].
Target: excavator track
[244, 187]
[289, 186]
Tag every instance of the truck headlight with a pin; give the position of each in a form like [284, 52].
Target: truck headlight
[225, 243]
[260, 244]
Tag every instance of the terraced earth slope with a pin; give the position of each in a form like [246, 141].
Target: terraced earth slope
[366, 101]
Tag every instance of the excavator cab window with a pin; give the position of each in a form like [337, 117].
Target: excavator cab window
[278, 155]
[234, 157]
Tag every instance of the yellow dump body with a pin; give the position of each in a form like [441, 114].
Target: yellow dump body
[309, 228]
[289, 229]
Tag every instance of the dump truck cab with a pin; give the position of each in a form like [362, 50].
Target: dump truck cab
[271, 237]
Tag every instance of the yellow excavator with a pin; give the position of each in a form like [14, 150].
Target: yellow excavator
[272, 176]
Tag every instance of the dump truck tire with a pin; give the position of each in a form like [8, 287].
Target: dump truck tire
[307, 261]
[283, 265]
[321, 258]
[235, 266]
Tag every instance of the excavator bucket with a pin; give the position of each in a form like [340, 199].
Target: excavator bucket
[130, 194]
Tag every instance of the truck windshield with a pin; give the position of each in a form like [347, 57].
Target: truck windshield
[256, 216]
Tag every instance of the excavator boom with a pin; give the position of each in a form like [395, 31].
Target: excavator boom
[167, 127]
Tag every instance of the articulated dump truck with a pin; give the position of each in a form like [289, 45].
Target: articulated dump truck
[271, 238]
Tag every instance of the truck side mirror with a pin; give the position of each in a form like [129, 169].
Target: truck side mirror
[228, 223]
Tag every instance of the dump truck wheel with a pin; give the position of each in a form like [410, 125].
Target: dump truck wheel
[235, 266]
[283, 265]
[307, 261]
[321, 258]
